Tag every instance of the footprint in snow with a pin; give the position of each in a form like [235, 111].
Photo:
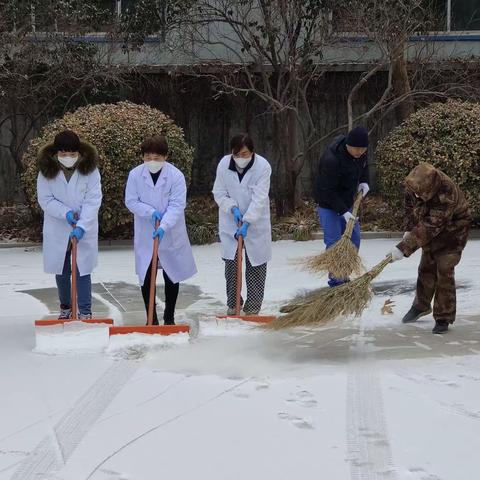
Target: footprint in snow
[304, 394]
[298, 422]
[469, 377]
[241, 394]
[302, 423]
[262, 386]
[113, 475]
[421, 474]
[304, 398]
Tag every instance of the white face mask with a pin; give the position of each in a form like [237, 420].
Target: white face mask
[242, 162]
[155, 166]
[68, 162]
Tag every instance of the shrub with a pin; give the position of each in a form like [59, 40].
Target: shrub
[202, 220]
[301, 225]
[117, 131]
[446, 135]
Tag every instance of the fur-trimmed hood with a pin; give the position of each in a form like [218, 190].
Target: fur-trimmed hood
[49, 165]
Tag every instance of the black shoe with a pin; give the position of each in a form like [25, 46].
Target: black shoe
[414, 314]
[169, 322]
[154, 322]
[441, 326]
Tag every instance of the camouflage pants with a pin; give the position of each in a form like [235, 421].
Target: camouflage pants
[436, 278]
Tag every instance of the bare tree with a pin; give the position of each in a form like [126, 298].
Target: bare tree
[152, 17]
[414, 71]
[270, 50]
[276, 51]
[387, 25]
[47, 67]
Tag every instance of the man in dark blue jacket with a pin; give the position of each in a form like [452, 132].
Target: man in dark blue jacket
[343, 173]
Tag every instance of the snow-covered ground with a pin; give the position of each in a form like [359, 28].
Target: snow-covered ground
[365, 399]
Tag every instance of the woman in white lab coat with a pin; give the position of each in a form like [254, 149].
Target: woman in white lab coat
[69, 193]
[241, 191]
[156, 190]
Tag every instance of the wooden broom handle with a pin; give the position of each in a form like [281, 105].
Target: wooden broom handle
[74, 278]
[238, 305]
[351, 222]
[153, 277]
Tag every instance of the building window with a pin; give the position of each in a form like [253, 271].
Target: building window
[128, 5]
[465, 15]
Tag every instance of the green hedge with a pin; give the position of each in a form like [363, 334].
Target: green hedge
[447, 135]
[117, 131]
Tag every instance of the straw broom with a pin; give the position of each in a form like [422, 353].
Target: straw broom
[348, 299]
[342, 259]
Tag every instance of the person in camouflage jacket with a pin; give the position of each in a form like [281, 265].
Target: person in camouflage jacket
[438, 220]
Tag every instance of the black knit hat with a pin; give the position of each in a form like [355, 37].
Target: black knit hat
[358, 137]
[66, 141]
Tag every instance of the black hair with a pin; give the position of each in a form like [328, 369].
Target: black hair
[66, 141]
[239, 141]
[157, 144]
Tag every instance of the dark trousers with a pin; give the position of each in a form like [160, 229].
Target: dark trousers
[84, 288]
[171, 295]
[436, 278]
[255, 278]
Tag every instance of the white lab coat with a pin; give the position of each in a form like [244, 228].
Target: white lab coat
[169, 197]
[83, 195]
[251, 197]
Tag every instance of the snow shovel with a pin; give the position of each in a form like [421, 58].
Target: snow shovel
[150, 328]
[44, 323]
[238, 306]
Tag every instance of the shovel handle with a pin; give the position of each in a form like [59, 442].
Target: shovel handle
[153, 277]
[74, 278]
[351, 222]
[238, 298]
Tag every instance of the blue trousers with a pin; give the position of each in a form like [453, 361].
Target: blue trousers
[333, 226]
[84, 288]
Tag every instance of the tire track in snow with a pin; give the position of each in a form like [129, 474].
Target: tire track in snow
[148, 400]
[368, 444]
[54, 450]
[164, 423]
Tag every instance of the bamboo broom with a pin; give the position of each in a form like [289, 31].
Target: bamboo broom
[342, 259]
[330, 303]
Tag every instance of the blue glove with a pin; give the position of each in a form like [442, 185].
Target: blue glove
[242, 231]
[159, 232]
[156, 215]
[78, 233]
[72, 218]
[237, 215]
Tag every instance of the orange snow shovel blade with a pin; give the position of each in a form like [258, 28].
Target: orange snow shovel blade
[151, 329]
[246, 318]
[46, 323]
